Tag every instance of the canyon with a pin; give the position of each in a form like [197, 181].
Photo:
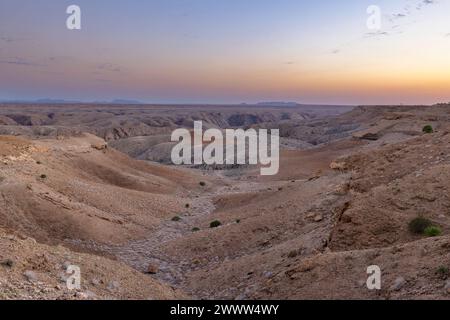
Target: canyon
[93, 186]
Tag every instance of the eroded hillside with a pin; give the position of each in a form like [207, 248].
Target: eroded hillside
[310, 232]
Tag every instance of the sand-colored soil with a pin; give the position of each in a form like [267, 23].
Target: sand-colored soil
[309, 232]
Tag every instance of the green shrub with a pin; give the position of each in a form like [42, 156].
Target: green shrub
[7, 263]
[428, 129]
[443, 272]
[215, 224]
[419, 224]
[176, 219]
[433, 231]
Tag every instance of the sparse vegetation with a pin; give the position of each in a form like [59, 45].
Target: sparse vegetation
[294, 233]
[424, 226]
[215, 224]
[38, 162]
[433, 231]
[428, 129]
[419, 224]
[293, 254]
[443, 272]
[7, 263]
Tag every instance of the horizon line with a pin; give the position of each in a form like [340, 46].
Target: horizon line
[48, 101]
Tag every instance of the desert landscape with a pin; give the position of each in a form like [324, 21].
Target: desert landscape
[224, 158]
[91, 185]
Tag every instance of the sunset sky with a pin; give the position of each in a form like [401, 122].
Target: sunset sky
[226, 51]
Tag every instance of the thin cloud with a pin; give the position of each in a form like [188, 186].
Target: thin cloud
[425, 3]
[408, 11]
[108, 67]
[399, 15]
[396, 22]
[376, 34]
[21, 62]
[10, 40]
[60, 59]
[7, 39]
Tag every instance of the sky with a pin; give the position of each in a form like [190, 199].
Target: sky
[226, 51]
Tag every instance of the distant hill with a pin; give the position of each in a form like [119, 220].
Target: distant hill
[62, 101]
[278, 104]
[55, 101]
[125, 101]
[42, 101]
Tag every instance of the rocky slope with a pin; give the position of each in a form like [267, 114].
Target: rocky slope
[61, 192]
[308, 233]
[29, 270]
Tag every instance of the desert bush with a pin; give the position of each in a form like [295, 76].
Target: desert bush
[7, 263]
[43, 176]
[176, 219]
[215, 224]
[202, 183]
[433, 231]
[195, 229]
[187, 205]
[443, 272]
[419, 224]
[238, 220]
[428, 129]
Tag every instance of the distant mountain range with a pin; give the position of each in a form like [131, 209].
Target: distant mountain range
[62, 101]
[119, 101]
[278, 104]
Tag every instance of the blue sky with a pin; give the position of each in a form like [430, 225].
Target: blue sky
[226, 51]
